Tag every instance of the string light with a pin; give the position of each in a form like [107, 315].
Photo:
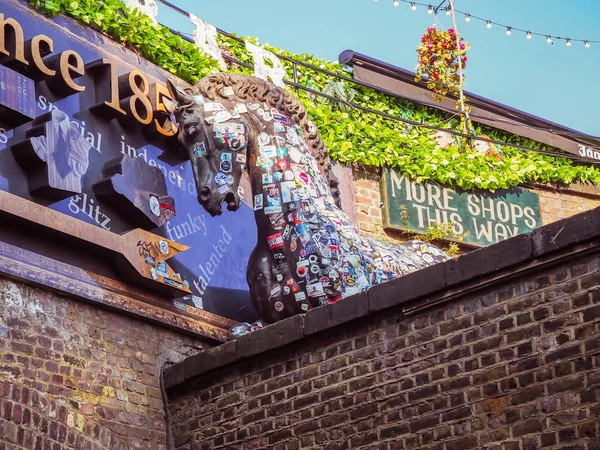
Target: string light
[375, 1]
[489, 24]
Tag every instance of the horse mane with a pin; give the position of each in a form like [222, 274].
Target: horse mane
[249, 88]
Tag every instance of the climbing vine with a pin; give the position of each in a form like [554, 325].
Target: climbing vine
[360, 137]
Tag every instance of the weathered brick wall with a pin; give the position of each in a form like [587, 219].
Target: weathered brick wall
[554, 205]
[75, 376]
[515, 366]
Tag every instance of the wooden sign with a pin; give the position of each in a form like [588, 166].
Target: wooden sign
[486, 217]
[140, 255]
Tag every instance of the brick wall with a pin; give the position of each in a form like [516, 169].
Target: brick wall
[513, 365]
[73, 376]
[554, 204]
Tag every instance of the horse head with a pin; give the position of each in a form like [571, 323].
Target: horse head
[215, 143]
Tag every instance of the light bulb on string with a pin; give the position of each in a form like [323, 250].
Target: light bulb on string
[489, 25]
[529, 35]
[568, 42]
[586, 44]
[430, 10]
[413, 6]
[396, 3]
[548, 39]
[508, 31]
[375, 1]
[448, 11]
[467, 18]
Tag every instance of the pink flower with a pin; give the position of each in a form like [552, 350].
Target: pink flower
[451, 31]
[462, 46]
[464, 59]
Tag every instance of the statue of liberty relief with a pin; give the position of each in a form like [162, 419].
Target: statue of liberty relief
[65, 152]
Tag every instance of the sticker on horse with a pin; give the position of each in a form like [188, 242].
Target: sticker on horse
[308, 253]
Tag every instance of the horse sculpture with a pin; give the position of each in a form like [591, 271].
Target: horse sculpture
[307, 252]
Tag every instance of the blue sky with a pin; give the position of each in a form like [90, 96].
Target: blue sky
[551, 81]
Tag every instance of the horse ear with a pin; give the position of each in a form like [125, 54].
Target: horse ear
[170, 105]
[178, 94]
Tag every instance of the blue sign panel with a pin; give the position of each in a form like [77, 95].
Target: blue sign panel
[215, 265]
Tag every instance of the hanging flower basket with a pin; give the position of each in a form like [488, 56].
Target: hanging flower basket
[439, 59]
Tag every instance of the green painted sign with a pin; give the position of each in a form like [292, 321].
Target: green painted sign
[487, 217]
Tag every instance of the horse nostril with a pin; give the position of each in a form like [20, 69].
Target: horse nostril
[232, 204]
[204, 194]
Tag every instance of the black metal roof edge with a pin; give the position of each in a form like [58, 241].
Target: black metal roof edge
[351, 57]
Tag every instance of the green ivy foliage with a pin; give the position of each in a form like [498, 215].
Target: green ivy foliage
[352, 136]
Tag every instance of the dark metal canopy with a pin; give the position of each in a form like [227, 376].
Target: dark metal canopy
[401, 82]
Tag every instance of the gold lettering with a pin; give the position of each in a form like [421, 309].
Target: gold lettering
[107, 94]
[140, 88]
[41, 46]
[11, 34]
[157, 92]
[71, 63]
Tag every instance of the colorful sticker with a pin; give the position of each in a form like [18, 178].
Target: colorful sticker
[258, 202]
[226, 166]
[225, 156]
[273, 196]
[268, 151]
[276, 291]
[300, 296]
[267, 178]
[314, 289]
[163, 246]
[199, 149]
[295, 155]
[275, 240]
[213, 107]
[220, 179]
[241, 108]
[221, 116]
[281, 151]
[272, 209]
[161, 269]
[281, 118]
[154, 205]
[230, 180]
[240, 158]
[278, 306]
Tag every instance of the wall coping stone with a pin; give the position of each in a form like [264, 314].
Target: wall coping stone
[476, 265]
